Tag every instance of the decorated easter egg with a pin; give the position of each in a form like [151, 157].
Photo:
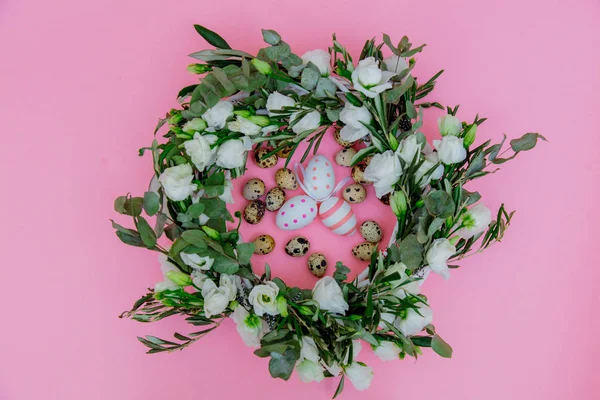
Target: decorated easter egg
[296, 213]
[338, 216]
[319, 178]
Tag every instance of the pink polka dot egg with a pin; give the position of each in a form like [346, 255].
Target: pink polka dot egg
[319, 178]
[296, 213]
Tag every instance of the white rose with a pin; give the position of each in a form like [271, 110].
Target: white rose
[384, 171]
[414, 322]
[450, 149]
[199, 150]
[309, 122]
[249, 326]
[228, 283]
[309, 371]
[360, 375]
[449, 125]
[437, 256]
[166, 266]
[320, 58]
[244, 126]
[227, 195]
[231, 154]
[356, 349]
[276, 101]
[389, 317]
[387, 351]
[329, 295]
[353, 117]
[334, 369]
[198, 278]
[400, 286]
[216, 117]
[197, 262]
[474, 221]
[177, 182]
[194, 125]
[395, 64]
[424, 175]
[309, 349]
[215, 299]
[368, 79]
[408, 149]
[264, 299]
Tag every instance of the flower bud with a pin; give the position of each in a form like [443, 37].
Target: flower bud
[398, 203]
[282, 306]
[179, 278]
[393, 142]
[194, 125]
[260, 120]
[305, 310]
[175, 117]
[470, 136]
[199, 68]
[212, 233]
[449, 125]
[262, 67]
[243, 113]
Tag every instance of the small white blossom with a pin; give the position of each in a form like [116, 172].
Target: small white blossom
[244, 126]
[277, 101]
[264, 299]
[450, 149]
[250, 327]
[474, 221]
[197, 262]
[408, 149]
[437, 256]
[360, 375]
[165, 267]
[353, 118]
[200, 151]
[217, 116]
[387, 351]
[384, 171]
[329, 295]
[309, 122]
[177, 182]
[368, 79]
[395, 64]
[309, 371]
[449, 125]
[320, 58]
[415, 320]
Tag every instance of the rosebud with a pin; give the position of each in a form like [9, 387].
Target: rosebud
[449, 125]
[393, 142]
[175, 117]
[470, 136]
[262, 67]
[282, 306]
[398, 203]
[243, 113]
[194, 125]
[199, 68]
[212, 233]
[179, 278]
[305, 310]
[260, 120]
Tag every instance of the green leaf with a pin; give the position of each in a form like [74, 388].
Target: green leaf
[129, 205]
[355, 101]
[411, 112]
[196, 210]
[340, 387]
[271, 37]
[476, 165]
[130, 239]
[310, 76]
[441, 347]
[151, 203]
[439, 204]
[282, 365]
[244, 252]
[195, 237]
[394, 94]
[225, 265]
[159, 225]
[421, 341]
[526, 142]
[146, 232]
[411, 251]
[212, 37]
[325, 88]
[388, 43]
[341, 272]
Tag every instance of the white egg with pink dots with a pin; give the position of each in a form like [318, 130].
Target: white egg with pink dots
[296, 213]
[319, 177]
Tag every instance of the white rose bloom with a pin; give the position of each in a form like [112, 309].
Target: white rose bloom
[449, 125]
[215, 299]
[368, 79]
[228, 283]
[474, 221]
[244, 126]
[199, 150]
[309, 371]
[409, 147]
[353, 117]
[334, 369]
[400, 287]
[165, 266]
[194, 125]
[177, 182]
[414, 323]
[227, 195]
[197, 262]
[198, 278]
[387, 351]
[309, 349]
[360, 375]
[356, 349]
[249, 326]
[395, 64]
[389, 317]
[309, 122]
[216, 117]
[231, 154]
[437, 256]
[320, 58]
[277, 101]
[422, 176]
[384, 171]
[264, 299]
[450, 149]
[329, 295]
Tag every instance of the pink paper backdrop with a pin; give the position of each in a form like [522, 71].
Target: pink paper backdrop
[81, 86]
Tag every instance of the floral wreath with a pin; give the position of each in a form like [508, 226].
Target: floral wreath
[274, 101]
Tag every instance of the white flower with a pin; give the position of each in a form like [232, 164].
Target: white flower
[395, 64]
[474, 221]
[177, 182]
[450, 149]
[165, 266]
[320, 58]
[389, 317]
[228, 284]
[244, 126]
[387, 351]
[309, 349]
[216, 117]
[264, 299]
[353, 117]
[422, 176]
[199, 150]
[198, 278]
[437, 256]
[449, 125]
[368, 79]
[309, 122]
[197, 262]
[334, 369]
[384, 170]
[309, 371]
[194, 125]
[215, 299]
[277, 101]
[249, 326]
[231, 154]
[414, 322]
[409, 147]
[329, 295]
[400, 286]
[360, 375]
[227, 195]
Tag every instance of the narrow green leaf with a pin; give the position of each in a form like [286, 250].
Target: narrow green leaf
[212, 37]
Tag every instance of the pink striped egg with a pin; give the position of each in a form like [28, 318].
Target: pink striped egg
[319, 178]
[296, 213]
[338, 216]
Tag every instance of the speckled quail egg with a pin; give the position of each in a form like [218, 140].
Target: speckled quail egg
[371, 231]
[355, 193]
[275, 198]
[286, 179]
[364, 250]
[254, 212]
[264, 244]
[344, 156]
[339, 140]
[264, 162]
[253, 189]
[358, 174]
[317, 264]
[285, 152]
[297, 247]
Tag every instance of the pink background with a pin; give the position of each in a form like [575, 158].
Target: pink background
[82, 84]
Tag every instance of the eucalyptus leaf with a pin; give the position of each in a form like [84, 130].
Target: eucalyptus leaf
[310, 76]
[151, 203]
[441, 347]
[526, 142]
[411, 251]
[282, 365]
[146, 232]
[439, 203]
[244, 252]
[271, 37]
